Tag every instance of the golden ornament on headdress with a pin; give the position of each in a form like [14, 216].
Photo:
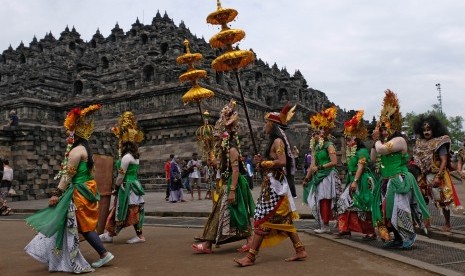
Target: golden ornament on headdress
[355, 127]
[80, 121]
[228, 120]
[391, 117]
[196, 93]
[232, 59]
[324, 119]
[127, 130]
[204, 135]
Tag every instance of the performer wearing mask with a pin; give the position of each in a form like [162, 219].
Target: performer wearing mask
[431, 155]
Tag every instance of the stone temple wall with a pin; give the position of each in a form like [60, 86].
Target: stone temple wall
[133, 71]
[35, 153]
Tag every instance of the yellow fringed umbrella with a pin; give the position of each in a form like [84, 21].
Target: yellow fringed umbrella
[226, 37]
[196, 94]
[221, 15]
[193, 75]
[232, 59]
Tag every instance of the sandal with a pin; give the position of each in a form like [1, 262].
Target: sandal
[244, 248]
[201, 249]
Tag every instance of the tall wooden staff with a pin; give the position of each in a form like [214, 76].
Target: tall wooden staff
[232, 59]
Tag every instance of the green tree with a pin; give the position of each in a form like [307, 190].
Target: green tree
[409, 118]
[456, 131]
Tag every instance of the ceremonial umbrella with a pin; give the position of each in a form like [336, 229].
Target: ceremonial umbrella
[197, 93]
[231, 59]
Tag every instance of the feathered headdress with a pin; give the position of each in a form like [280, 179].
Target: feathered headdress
[283, 117]
[228, 120]
[355, 127]
[324, 119]
[127, 130]
[391, 117]
[80, 122]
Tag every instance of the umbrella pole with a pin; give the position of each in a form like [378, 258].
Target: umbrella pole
[246, 112]
[201, 113]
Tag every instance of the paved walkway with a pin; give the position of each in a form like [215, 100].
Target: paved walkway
[156, 205]
[168, 252]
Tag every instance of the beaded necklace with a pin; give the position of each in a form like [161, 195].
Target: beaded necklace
[64, 163]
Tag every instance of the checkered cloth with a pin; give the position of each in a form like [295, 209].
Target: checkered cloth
[266, 204]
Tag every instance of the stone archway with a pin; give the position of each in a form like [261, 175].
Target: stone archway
[105, 63]
[78, 87]
[144, 38]
[164, 48]
[72, 46]
[259, 93]
[283, 95]
[148, 73]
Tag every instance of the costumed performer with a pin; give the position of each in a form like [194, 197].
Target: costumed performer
[233, 205]
[128, 204]
[73, 206]
[275, 210]
[398, 204]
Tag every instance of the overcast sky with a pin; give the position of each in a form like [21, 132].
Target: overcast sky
[352, 50]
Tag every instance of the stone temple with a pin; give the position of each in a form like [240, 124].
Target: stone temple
[131, 70]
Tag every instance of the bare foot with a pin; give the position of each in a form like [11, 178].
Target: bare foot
[445, 228]
[299, 256]
[244, 261]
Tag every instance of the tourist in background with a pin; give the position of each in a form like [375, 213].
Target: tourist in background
[307, 161]
[194, 166]
[73, 206]
[185, 175]
[128, 207]
[176, 194]
[167, 176]
[14, 120]
[250, 171]
[295, 156]
[5, 187]
[322, 185]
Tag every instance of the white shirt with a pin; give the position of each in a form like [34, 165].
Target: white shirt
[196, 172]
[7, 173]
